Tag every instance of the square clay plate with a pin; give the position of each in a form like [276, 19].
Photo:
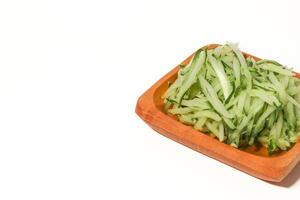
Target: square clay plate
[254, 162]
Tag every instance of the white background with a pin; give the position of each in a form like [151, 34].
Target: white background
[70, 75]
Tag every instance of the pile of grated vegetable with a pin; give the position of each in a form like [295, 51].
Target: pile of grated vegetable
[236, 99]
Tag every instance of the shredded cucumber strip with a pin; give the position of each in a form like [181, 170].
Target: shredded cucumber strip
[208, 114]
[213, 98]
[219, 70]
[276, 68]
[237, 72]
[265, 96]
[196, 65]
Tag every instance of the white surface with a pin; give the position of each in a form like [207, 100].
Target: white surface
[70, 75]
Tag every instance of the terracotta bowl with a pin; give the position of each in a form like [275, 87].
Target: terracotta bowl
[255, 162]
